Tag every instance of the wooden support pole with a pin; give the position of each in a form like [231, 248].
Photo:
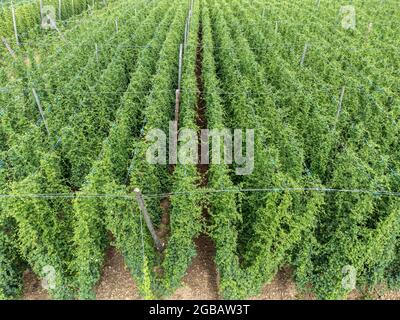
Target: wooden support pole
[340, 103]
[180, 66]
[139, 198]
[304, 54]
[14, 23]
[177, 105]
[11, 51]
[186, 31]
[40, 110]
[97, 52]
[59, 9]
[188, 28]
[41, 9]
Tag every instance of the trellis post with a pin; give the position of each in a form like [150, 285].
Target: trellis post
[186, 30]
[304, 54]
[40, 110]
[180, 66]
[59, 9]
[14, 23]
[41, 9]
[143, 209]
[97, 52]
[340, 103]
[11, 51]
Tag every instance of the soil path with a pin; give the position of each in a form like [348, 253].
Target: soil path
[199, 283]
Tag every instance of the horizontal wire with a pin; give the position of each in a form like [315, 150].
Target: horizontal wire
[277, 190]
[201, 191]
[59, 91]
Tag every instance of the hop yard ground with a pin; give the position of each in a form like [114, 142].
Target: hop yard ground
[200, 282]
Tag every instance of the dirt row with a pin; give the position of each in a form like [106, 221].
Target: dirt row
[200, 282]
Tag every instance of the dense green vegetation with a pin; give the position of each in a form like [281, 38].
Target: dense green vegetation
[28, 17]
[306, 142]
[326, 143]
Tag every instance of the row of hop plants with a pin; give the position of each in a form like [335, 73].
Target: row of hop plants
[110, 174]
[155, 273]
[122, 218]
[225, 216]
[165, 270]
[49, 61]
[68, 105]
[185, 222]
[372, 105]
[49, 68]
[265, 231]
[59, 111]
[315, 87]
[17, 118]
[325, 253]
[45, 238]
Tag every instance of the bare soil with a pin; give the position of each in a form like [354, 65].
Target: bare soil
[116, 282]
[33, 289]
[200, 282]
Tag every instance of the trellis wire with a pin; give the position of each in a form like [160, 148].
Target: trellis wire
[332, 88]
[40, 109]
[59, 9]
[201, 191]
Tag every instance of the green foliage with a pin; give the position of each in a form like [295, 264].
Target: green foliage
[264, 88]
[11, 264]
[99, 106]
[43, 229]
[28, 18]
[185, 213]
